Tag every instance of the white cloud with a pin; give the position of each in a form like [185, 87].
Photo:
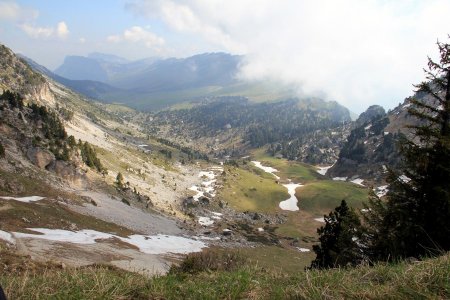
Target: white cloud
[37, 32]
[114, 39]
[356, 52]
[82, 40]
[61, 31]
[138, 34]
[11, 11]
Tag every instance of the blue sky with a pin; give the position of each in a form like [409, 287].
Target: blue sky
[356, 52]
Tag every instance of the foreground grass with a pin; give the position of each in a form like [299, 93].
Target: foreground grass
[428, 279]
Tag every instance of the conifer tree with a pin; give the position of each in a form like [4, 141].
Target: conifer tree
[415, 220]
[119, 180]
[339, 239]
[2, 150]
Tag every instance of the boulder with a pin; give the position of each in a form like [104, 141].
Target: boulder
[72, 175]
[40, 157]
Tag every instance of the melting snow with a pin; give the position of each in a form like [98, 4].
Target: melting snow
[77, 237]
[381, 190]
[404, 178]
[161, 244]
[156, 244]
[321, 220]
[198, 191]
[291, 203]
[205, 221]
[358, 181]
[340, 178]
[266, 169]
[207, 186]
[6, 236]
[24, 199]
[303, 249]
[323, 170]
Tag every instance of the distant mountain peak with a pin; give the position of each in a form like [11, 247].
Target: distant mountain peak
[111, 58]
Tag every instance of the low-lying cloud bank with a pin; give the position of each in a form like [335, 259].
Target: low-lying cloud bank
[356, 52]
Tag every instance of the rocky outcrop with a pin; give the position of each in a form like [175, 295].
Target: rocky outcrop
[372, 113]
[40, 157]
[372, 145]
[73, 176]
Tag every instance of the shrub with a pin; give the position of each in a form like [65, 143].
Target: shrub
[209, 260]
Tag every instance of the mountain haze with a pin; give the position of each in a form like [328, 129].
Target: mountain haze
[153, 84]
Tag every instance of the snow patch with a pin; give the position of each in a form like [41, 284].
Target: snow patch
[323, 170]
[24, 199]
[162, 244]
[381, 191]
[207, 186]
[77, 237]
[340, 178]
[321, 220]
[269, 170]
[358, 181]
[291, 203]
[404, 178]
[303, 249]
[6, 236]
[156, 244]
[260, 229]
[205, 221]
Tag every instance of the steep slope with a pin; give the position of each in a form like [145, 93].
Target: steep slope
[89, 88]
[372, 146]
[59, 163]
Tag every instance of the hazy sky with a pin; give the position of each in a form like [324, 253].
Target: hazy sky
[358, 52]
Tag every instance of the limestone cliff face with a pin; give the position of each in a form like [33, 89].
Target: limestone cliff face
[42, 94]
[372, 145]
[73, 176]
[42, 158]
[17, 76]
[24, 133]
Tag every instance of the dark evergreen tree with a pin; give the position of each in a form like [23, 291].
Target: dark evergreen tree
[119, 180]
[2, 150]
[415, 220]
[89, 157]
[339, 239]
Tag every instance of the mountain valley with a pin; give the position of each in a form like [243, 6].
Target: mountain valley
[90, 179]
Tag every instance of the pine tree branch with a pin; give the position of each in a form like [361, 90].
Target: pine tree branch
[425, 87]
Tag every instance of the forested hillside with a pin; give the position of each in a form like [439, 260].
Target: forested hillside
[248, 125]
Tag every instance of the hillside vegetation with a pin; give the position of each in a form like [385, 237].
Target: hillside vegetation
[428, 279]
